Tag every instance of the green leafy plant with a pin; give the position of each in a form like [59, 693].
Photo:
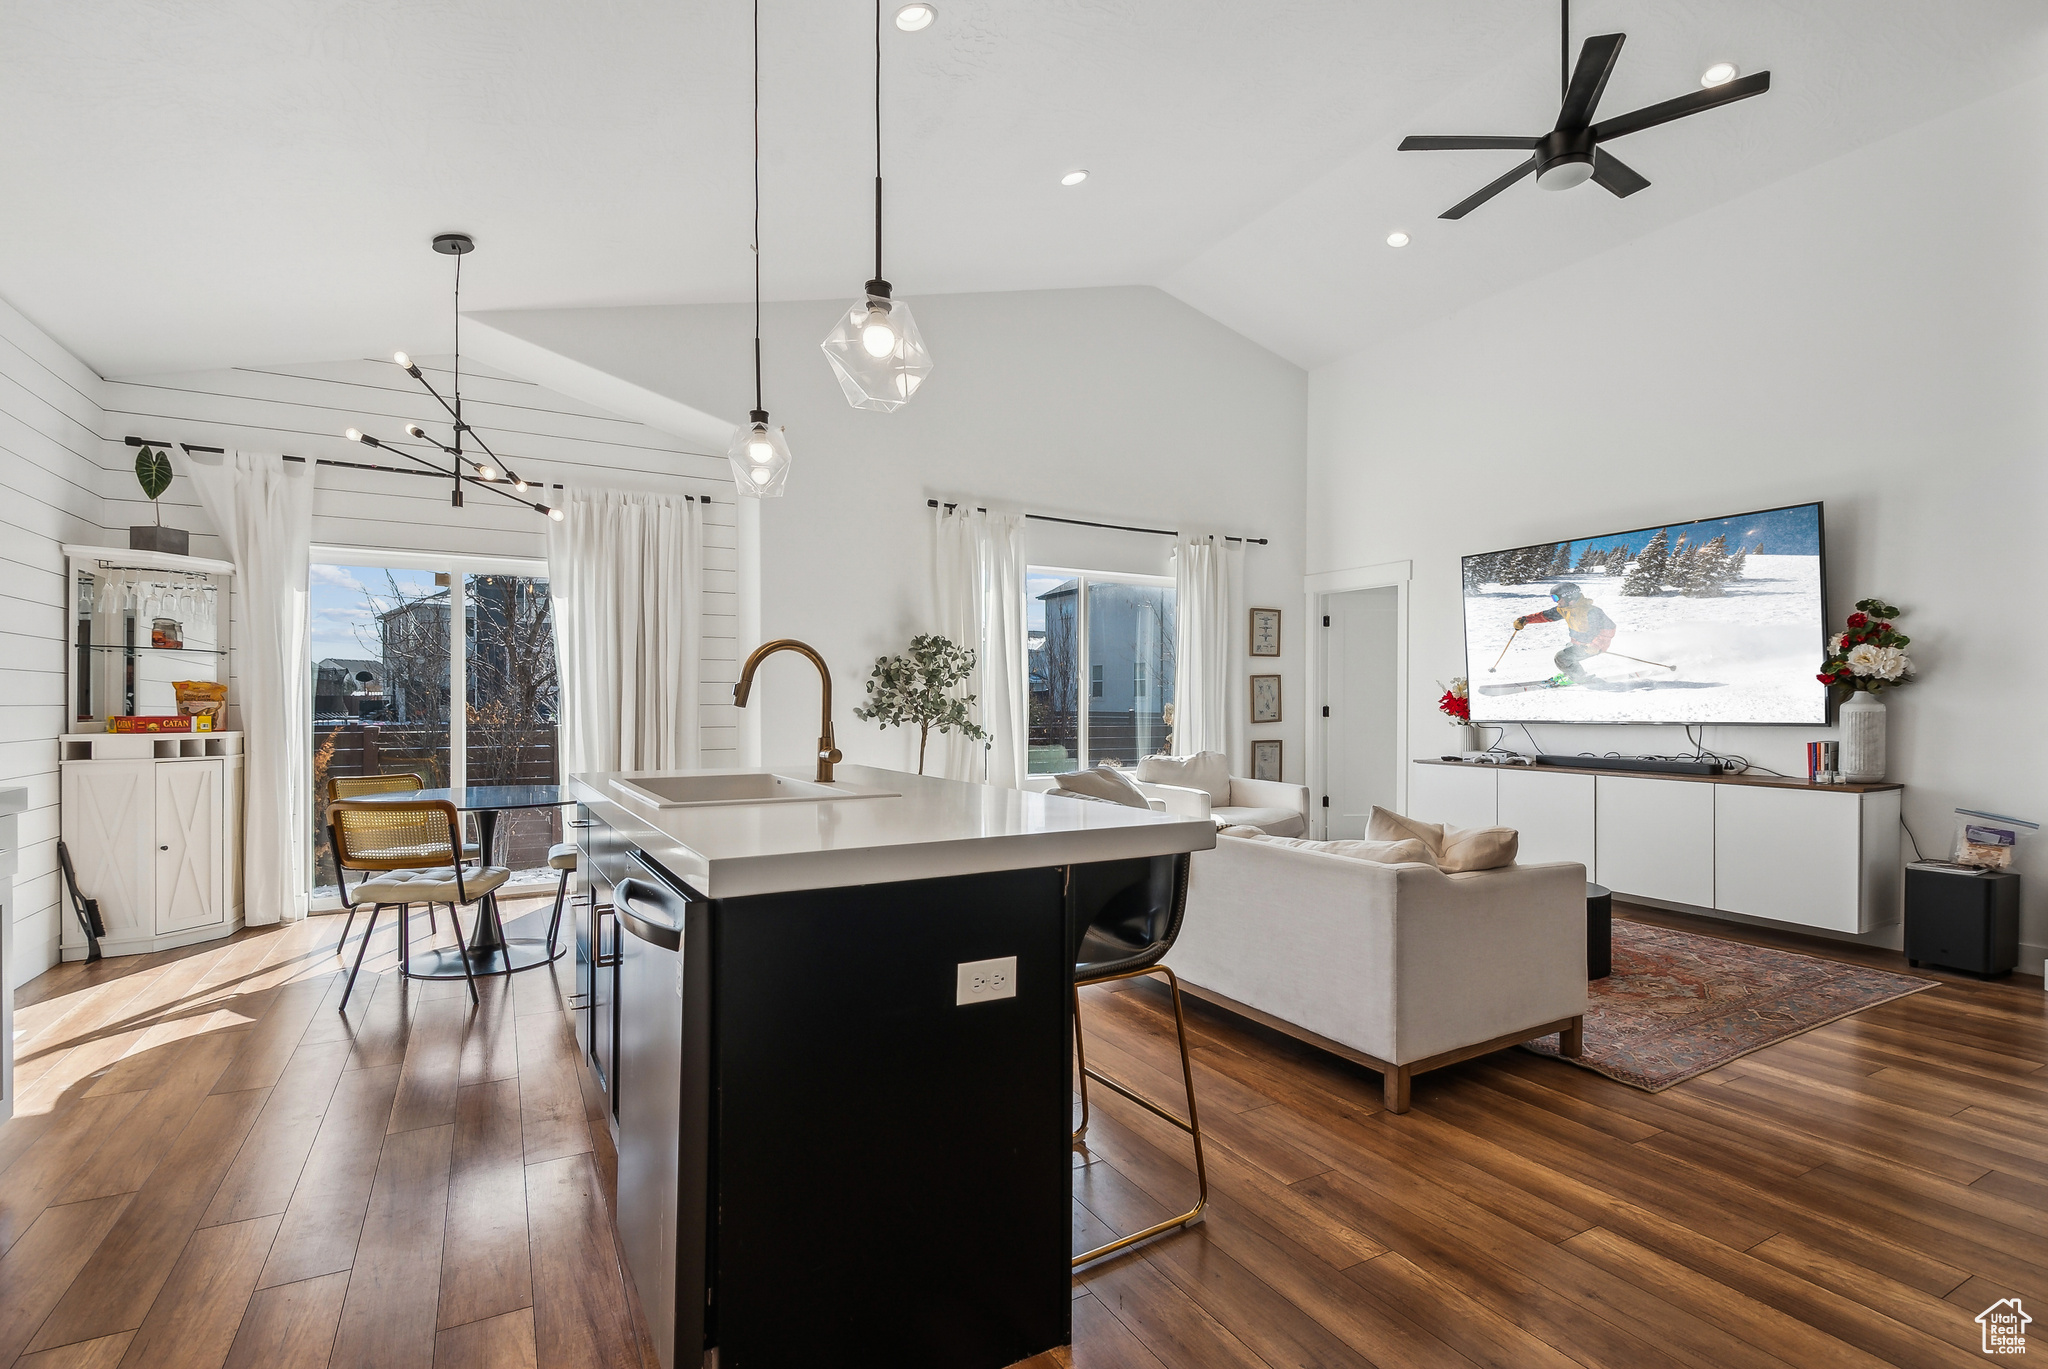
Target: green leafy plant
[915, 689]
[153, 473]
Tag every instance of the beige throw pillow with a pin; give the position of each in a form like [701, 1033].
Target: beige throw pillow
[1205, 770]
[1457, 849]
[1104, 784]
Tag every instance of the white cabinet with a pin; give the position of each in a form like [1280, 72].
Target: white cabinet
[1821, 859]
[1810, 855]
[1656, 838]
[155, 837]
[1553, 813]
[1455, 795]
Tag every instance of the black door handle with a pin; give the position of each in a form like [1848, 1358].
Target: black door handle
[163, 848]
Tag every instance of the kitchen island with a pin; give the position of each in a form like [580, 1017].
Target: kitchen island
[833, 1022]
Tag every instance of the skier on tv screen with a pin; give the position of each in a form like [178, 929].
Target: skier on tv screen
[1590, 628]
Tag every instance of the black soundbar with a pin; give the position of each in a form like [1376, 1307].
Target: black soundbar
[1644, 764]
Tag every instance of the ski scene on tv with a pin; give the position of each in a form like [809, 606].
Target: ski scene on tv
[1715, 621]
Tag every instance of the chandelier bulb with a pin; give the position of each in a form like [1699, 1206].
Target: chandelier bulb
[402, 359]
[519, 485]
[352, 434]
[555, 514]
[487, 472]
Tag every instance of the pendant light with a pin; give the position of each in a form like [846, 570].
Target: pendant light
[759, 455]
[875, 348]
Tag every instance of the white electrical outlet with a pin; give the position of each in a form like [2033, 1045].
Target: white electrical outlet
[984, 981]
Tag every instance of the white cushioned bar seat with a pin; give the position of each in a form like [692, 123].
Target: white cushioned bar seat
[562, 856]
[428, 886]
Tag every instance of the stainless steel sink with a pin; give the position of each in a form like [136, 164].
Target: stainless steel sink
[706, 789]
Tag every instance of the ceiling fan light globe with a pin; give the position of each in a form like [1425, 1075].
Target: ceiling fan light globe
[1719, 74]
[1566, 173]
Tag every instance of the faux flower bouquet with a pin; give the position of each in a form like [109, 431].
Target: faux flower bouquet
[1870, 654]
[1456, 703]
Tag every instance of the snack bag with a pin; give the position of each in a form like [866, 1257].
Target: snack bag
[203, 699]
[1987, 840]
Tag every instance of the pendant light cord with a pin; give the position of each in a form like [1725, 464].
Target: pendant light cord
[757, 206]
[878, 139]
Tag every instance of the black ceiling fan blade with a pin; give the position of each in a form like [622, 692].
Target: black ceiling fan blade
[1429, 144]
[1589, 79]
[1652, 115]
[1612, 173]
[1487, 192]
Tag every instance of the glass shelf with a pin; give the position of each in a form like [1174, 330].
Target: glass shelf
[160, 650]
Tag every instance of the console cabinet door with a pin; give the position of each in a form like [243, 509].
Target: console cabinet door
[1552, 812]
[188, 845]
[1457, 795]
[1789, 855]
[1656, 838]
[108, 823]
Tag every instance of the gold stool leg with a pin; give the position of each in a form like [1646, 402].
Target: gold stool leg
[1081, 1059]
[1192, 1126]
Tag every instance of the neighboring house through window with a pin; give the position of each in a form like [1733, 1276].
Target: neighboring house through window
[1115, 632]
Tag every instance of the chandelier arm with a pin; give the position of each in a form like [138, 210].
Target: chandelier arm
[490, 485]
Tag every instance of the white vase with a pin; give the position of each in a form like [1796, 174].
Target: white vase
[1862, 721]
[1467, 737]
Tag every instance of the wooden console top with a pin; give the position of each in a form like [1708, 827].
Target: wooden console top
[1762, 781]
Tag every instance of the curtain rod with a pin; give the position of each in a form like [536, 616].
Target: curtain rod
[1113, 527]
[190, 447]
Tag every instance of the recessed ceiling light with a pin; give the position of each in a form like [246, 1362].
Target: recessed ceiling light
[1397, 239]
[1073, 178]
[911, 18]
[1720, 74]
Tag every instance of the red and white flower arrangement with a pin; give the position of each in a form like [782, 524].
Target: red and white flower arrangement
[1456, 703]
[1869, 654]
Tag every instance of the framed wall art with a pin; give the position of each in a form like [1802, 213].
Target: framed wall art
[1265, 632]
[1266, 760]
[1265, 698]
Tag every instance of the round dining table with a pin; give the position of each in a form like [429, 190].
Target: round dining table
[490, 950]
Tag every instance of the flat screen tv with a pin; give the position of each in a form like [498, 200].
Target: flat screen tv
[1722, 620]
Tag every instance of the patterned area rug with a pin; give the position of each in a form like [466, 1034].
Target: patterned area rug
[1678, 1005]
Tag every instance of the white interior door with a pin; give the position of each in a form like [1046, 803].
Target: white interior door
[107, 826]
[187, 845]
[1361, 689]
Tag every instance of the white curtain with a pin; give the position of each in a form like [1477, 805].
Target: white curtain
[980, 591]
[1209, 702]
[626, 573]
[262, 510]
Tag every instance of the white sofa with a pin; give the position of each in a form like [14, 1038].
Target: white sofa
[1401, 968]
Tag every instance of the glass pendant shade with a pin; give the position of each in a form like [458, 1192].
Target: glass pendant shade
[877, 352]
[759, 457]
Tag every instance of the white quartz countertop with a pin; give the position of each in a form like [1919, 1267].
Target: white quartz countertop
[933, 829]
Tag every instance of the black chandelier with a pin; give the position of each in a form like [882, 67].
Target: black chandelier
[492, 474]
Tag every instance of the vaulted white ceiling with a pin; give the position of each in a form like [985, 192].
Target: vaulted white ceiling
[255, 181]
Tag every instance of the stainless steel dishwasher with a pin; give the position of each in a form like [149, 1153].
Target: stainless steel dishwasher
[662, 1093]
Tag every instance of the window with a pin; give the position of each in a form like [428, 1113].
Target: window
[1116, 632]
[397, 690]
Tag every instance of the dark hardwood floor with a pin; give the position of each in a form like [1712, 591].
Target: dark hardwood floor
[212, 1166]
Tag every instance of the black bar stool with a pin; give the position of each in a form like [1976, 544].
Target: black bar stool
[1126, 915]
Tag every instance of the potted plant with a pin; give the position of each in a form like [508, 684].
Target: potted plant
[1867, 656]
[153, 473]
[916, 688]
[1456, 704]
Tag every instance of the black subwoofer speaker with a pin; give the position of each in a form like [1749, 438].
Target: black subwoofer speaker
[1963, 922]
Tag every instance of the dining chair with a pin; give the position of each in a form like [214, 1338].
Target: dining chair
[1126, 917]
[354, 786]
[408, 849]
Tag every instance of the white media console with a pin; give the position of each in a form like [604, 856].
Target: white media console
[1813, 855]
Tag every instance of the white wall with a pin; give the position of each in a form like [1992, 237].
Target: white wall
[49, 431]
[1120, 405]
[1869, 333]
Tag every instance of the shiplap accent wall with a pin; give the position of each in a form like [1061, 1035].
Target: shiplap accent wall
[50, 437]
[548, 438]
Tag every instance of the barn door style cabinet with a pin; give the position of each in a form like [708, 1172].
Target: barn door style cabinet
[153, 821]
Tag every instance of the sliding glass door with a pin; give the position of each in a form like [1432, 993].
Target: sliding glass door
[444, 673]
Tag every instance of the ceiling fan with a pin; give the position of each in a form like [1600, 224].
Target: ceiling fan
[1570, 154]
